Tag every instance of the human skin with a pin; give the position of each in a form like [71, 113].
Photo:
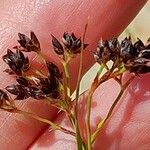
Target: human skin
[107, 18]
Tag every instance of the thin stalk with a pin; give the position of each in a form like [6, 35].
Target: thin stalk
[78, 134]
[102, 123]
[73, 121]
[89, 101]
[53, 125]
[66, 70]
[67, 90]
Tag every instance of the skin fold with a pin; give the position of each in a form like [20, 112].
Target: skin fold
[106, 18]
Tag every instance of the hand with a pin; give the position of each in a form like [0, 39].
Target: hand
[106, 19]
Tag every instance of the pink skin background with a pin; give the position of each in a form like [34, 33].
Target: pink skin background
[129, 126]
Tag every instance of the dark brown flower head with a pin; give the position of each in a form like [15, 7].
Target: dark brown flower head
[135, 57]
[53, 70]
[139, 45]
[29, 44]
[103, 53]
[38, 88]
[139, 62]
[21, 92]
[49, 86]
[71, 43]
[107, 50]
[17, 62]
[127, 50]
[5, 102]
[58, 48]
[114, 47]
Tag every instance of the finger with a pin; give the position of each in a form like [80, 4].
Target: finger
[128, 127]
[53, 17]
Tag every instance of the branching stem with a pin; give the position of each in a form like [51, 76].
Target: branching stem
[89, 101]
[102, 123]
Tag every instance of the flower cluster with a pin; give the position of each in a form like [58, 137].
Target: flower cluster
[133, 56]
[35, 86]
[56, 90]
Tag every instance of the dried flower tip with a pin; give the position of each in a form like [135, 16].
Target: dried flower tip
[72, 43]
[28, 44]
[16, 61]
[58, 48]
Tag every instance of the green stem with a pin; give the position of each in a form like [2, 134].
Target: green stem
[89, 101]
[80, 144]
[66, 70]
[102, 123]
